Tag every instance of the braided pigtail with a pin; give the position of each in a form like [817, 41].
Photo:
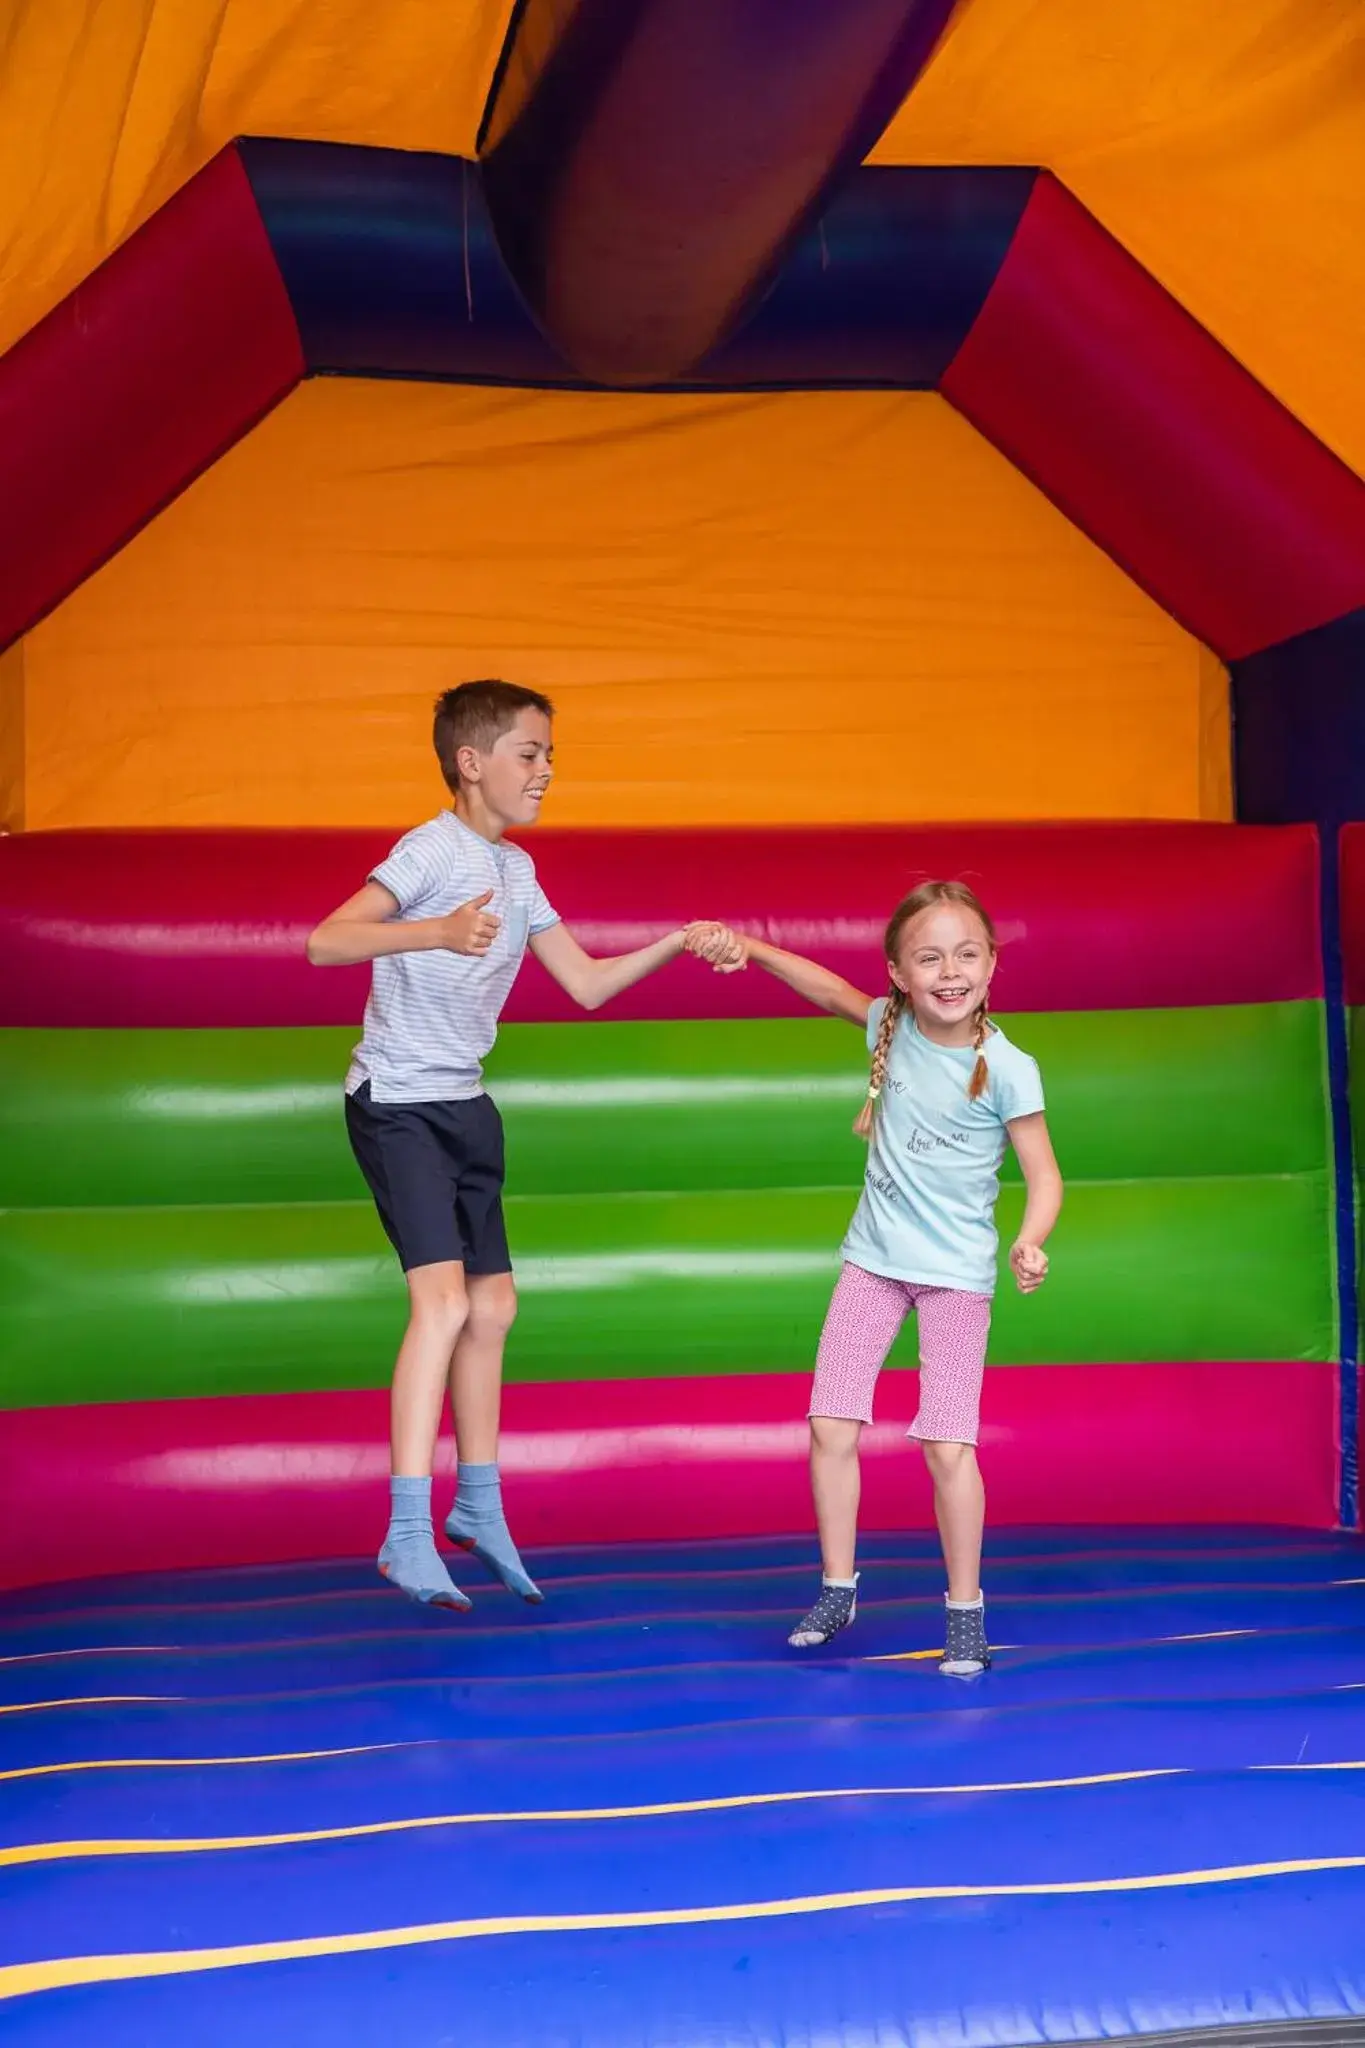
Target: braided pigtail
[980, 1072]
[881, 1052]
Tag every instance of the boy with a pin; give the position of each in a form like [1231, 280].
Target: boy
[446, 920]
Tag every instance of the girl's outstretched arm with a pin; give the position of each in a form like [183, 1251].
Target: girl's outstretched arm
[727, 950]
[1032, 1143]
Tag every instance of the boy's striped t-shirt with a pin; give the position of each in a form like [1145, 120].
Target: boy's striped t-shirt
[432, 1018]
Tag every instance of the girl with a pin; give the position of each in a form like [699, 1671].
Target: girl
[946, 1090]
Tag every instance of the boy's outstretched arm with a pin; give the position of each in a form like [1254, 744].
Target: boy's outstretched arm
[367, 925]
[594, 982]
[727, 950]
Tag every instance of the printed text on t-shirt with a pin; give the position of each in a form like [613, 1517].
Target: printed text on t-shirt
[920, 1143]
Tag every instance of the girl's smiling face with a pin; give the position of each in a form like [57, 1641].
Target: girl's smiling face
[943, 965]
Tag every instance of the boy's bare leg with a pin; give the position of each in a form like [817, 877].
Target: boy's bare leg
[477, 1521]
[438, 1306]
[476, 1366]
[437, 1312]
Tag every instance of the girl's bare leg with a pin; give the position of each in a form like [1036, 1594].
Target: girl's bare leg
[960, 1511]
[836, 1484]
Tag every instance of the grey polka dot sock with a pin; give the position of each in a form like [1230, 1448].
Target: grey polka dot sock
[965, 1654]
[835, 1609]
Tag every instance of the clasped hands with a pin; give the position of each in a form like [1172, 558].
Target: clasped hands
[721, 948]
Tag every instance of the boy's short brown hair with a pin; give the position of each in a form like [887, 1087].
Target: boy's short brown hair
[477, 715]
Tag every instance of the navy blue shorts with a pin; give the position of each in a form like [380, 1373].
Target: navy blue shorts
[435, 1170]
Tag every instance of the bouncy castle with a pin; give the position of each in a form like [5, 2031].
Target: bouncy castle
[904, 439]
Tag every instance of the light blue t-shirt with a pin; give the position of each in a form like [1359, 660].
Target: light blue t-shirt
[927, 1212]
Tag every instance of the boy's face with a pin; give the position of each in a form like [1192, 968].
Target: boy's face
[513, 776]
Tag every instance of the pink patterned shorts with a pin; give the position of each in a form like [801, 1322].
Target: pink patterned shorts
[864, 1318]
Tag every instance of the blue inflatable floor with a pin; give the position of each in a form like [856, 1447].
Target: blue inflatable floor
[283, 1806]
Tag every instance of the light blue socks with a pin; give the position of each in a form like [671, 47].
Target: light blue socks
[477, 1523]
[410, 1559]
